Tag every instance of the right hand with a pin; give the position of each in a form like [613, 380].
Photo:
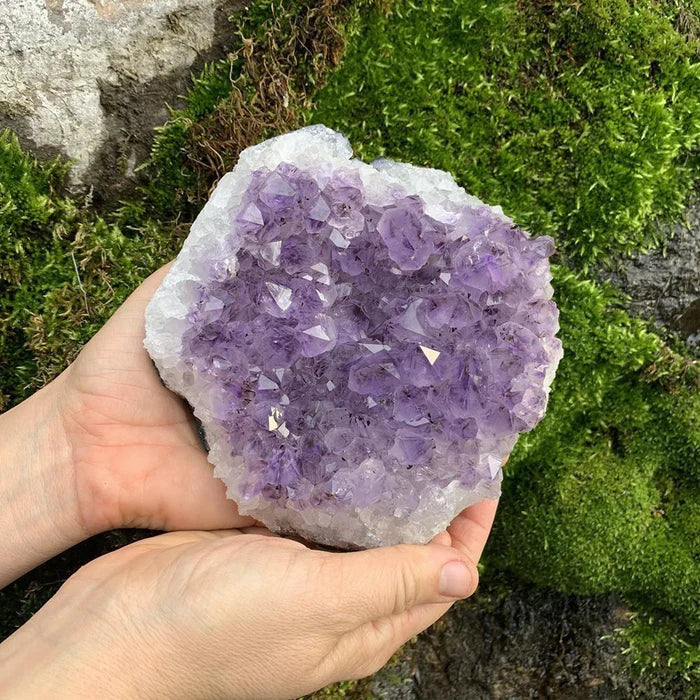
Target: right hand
[237, 614]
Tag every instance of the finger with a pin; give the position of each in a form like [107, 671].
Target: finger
[392, 632]
[470, 529]
[259, 529]
[120, 341]
[387, 581]
[168, 540]
[135, 304]
[173, 489]
[139, 298]
[416, 620]
[179, 537]
[442, 538]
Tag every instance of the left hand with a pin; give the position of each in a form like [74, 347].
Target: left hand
[105, 445]
[137, 459]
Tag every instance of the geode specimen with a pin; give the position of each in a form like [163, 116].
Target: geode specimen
[362, 343]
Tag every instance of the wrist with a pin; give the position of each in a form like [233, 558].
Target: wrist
[41, 514]
[71, 650]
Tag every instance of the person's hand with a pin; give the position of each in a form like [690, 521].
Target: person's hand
[237, 614]
[104, 445]
[137, 459]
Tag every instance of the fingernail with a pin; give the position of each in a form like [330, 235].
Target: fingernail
[455, 580]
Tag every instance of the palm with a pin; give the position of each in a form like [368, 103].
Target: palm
[138, 460]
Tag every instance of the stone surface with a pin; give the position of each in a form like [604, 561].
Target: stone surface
[90, 79]
[512, 640]
[362, 343]
[664, 285]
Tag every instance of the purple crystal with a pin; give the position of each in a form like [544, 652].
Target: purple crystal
[362, 349]
[438, 337]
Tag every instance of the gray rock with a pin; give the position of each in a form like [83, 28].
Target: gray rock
[664, 285]
[512, 640]
[89, 79]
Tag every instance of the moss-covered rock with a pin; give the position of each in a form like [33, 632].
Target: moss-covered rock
[580, 118]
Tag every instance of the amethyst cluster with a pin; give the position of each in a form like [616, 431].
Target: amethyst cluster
[362, 343]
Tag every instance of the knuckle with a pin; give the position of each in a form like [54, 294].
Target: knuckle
[323, 574]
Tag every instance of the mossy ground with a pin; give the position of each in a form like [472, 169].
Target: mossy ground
[581, 118]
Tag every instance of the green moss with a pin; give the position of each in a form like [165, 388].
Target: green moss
[27, 204]
[581, 119]
[349, 690]
[662, 649]
[63, 270]
[283, 54]
[603, 495]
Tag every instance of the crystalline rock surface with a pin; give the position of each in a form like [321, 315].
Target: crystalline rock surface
[361, 343]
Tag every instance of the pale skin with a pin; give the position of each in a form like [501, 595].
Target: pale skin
[216, 608]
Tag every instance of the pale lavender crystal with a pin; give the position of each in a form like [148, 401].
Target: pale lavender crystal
[362, 344]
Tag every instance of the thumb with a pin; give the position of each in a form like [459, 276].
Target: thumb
[388, 581]
[124, 331]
